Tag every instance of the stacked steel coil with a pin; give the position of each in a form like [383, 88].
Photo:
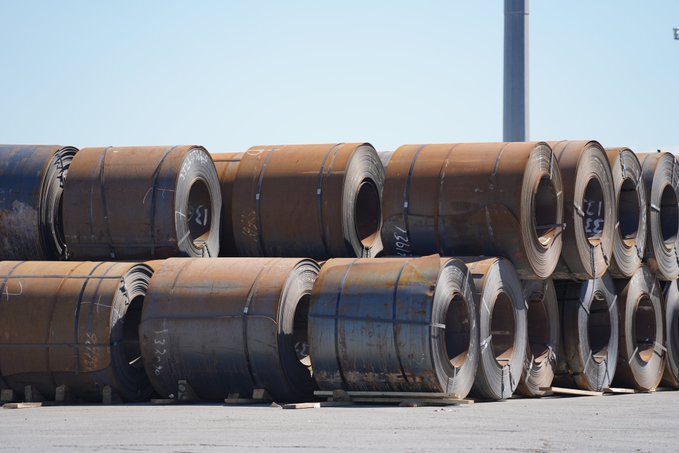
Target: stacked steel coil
[555, 264]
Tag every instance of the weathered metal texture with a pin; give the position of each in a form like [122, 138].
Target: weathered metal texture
[319, 201]
[629, 240]
[502, 327]
[661, 176]
[227, 168]
[229, 325]
[488, 199]
[641, 350]
[141, 203]
[544, 333]
[671, 323]
[589, 210]
[31, 184]
[73, 324]
[394, 324]
[589, 333]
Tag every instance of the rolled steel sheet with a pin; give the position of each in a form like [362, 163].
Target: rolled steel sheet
[641, 349]
[502, 327]
[589, 333]
[671, 323]
[661, 176]
[543, 326]
[394, 324]
[229, 325]
[31, 184]
[629, 240]
[227, 168]
[319, 201]
[493, 199]
[142, 203]
[73, 324]
[589, 207]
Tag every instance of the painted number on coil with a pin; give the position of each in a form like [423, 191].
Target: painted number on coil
[159, 350]
[402, 243]
[594, 220]
[199, 214]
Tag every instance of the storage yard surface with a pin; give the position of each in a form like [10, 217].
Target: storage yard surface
[638, 423]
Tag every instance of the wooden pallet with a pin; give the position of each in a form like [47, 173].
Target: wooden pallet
[403, 399]
[580, 392]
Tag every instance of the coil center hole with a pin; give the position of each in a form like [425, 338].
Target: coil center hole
[645, 328]
[594, 211]
[300, 324]
[367, 212]
[503, 329]
[538, 328]
[628, 212]
[669, 215]
[199, 219]
[599, 328]
[545, 211]
[131, 322]
[458, 331]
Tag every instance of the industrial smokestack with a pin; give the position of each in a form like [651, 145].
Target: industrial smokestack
[515, 127]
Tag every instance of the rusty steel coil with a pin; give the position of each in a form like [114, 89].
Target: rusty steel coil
[227, 167]
[543, 325]
[589, 333]
[671, 323]
[641, 348]
[230, 325]
[629, 240]
[394, 324]
[475, 199]
[319, 201]
[661, 175]
[31, 185]
[589, 207]
[142, 203]
[502, 327]
[73, 324]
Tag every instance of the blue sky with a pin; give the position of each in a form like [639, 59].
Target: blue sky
[230, 75]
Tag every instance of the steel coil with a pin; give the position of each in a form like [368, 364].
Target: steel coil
[319, 201]
[502, 328]
[227, 167]
[589, 207]
[73, 324]
[229, 325]
[671, 323]
[475, 199]
[543, 337]
[394, 324]
[589, 333]
[641, 348]
[31, 184]
[141, 203]
[629, 240]
[661, 175]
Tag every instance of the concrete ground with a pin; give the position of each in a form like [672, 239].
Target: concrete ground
[636, 423]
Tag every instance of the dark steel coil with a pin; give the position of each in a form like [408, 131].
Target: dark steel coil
[589, 207]
[141, 203]
[544, 331]
[661, 175]
[229, 325]
[227, 168]
[73, 324]
[31, 183]
[319, 201]
[394, 324]
[589, 333]
[489, 199]
[671, 323]
[502, 327]
[629, 240]
[641, 350]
